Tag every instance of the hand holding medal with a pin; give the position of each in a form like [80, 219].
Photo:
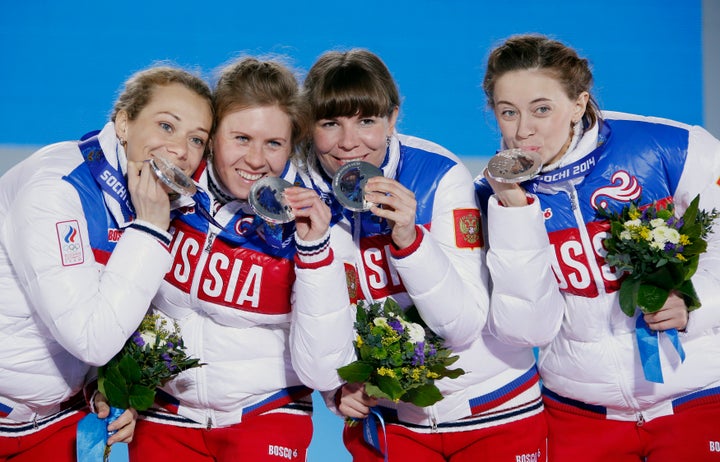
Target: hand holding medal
[267, 200]
[349, 182]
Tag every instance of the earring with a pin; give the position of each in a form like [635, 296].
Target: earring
[123, 142]
[387, 141]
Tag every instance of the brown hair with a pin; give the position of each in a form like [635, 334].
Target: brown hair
[251, 82]
[531, 51]
[140, 86]
[345, 84]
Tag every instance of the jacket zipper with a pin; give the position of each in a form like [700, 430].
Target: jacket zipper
[640, 419]
[596, 274]
[209, 241]
[359, 264]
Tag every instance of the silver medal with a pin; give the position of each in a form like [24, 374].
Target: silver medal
[348, 184]
[172, 176]
[514, 165]
[267, 200]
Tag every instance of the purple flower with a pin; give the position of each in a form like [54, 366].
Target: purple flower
[137, 339]
[431, 350]
[419, 356]
[168, 361]
[396, 325]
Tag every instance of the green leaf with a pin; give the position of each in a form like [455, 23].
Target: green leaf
[390, 386]
[356, 372]
[690, 215]
[628, 296]
[112, 384]
[454, 373]
[375, 392]
[687, 290]
[667, 277]
[423, 396]
[691, 267]
[141, 398]
[361, 314]
[130, 369]
[450, 359]
[651, 298]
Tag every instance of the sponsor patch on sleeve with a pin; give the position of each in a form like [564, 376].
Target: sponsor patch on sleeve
[70, 241]
[467, 228]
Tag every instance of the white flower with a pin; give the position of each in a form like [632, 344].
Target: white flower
[665, 234]
[657, 245]
[625, 235]
[148, 337]
[380, 321]
[657, 222]
[636, 223]
[415, 332]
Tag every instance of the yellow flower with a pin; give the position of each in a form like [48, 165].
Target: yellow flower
[634, 213]
[359, 341]
[386, 372]
[416, 373]
[390, 338]
[645, 234]
[681, 257]
[684, 239]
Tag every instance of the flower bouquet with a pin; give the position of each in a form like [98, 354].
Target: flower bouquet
[660, 253]
[154, 354]
[399, 358]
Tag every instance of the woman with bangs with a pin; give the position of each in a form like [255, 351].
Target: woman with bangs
[420, 244]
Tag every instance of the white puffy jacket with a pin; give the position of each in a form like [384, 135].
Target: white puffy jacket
[68, 303]
[553, 287]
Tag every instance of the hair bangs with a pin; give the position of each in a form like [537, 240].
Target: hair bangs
[347, 94]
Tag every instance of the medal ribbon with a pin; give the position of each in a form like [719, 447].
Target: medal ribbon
[92, 435]
[110, 180]
[648, 345]
[370, 432]
[577, 169]
[276, 235]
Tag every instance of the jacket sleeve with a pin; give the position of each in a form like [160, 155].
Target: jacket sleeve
[89, 308]
[321, 331]
[526, 306]
[445, 276]
[701, 175]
